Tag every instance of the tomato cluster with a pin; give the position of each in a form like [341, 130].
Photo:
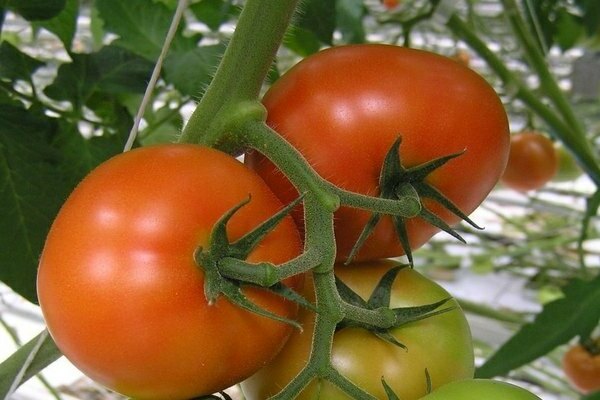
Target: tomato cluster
[124, 282]
[440, 344]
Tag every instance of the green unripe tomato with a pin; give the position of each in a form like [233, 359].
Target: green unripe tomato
[480, 389]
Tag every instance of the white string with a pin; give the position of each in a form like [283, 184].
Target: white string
[181, 6]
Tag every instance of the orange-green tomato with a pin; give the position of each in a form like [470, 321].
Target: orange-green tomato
[480, 389]
[582, 368]
[441, 344]
[532, 161]
[119, 288]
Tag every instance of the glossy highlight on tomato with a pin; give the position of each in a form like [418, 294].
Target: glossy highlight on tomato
[119, 288]
[480, 389]
[441, 344]
[344, 107]
[532, 161]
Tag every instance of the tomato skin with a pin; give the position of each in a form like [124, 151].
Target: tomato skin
[344, 107]
[441, 343]
[568, 169]
[532, 162]
[119, 288]
[480, 389]
[390, 4]
[582, 369]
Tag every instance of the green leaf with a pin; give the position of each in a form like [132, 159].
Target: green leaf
[318, 17]
[64, 24]
[140, 24]
[35, 10]
[593, 396]
[27, 361]
[15, 64]
[349, 20]
[568, 30]
[121, 71]
[190, 67]
[590, 11]
[75, 80]
[214, 12]
[41, 160]
[30, 194]
[575, 314]
[111, 70]
[301, 41]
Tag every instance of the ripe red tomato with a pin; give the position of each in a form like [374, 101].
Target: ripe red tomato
[119, 288]
[440, 343]
[480, 389]
[390, 4]
[532, 161]
[582, 368]
[344, 107]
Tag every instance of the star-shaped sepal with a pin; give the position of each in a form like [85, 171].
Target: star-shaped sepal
[397, 182]
[220, 247]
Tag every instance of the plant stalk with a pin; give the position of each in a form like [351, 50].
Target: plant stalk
[242, 70]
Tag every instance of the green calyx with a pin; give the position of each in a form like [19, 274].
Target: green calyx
[397, 182]
[263, 275]
[379, 300]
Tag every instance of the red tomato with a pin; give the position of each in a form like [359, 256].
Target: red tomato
[390, 4]
[441, 343]
[480, 389]
[532, 161]
[582, 368]
[119, 288]
[344, 107]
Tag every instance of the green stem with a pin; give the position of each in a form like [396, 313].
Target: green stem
[244, 66]
[258, 135]
[573, 141]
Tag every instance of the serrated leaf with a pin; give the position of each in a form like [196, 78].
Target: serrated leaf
[349, 20]
[64, 24]
[121, 71]
[35, 355]
[36, 10]
[577, 313]
[140, 24]
[15, 64]
[75, 80]
[111, 70]
[190, 67]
